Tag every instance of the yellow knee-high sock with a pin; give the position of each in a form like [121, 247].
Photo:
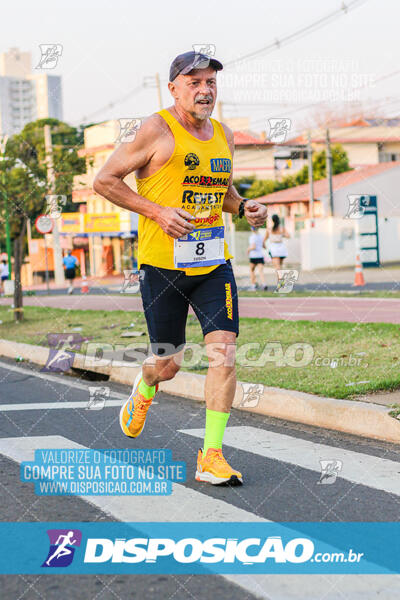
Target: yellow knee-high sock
[215, 428]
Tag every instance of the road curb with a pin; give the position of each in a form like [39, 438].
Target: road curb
[358, 418]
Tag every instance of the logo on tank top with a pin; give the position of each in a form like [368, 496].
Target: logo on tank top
[220, 165]
[228, 301]
[205, 181]
[192, 161]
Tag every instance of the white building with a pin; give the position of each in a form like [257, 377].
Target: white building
[25, 95]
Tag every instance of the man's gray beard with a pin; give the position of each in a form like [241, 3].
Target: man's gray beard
[203, 116]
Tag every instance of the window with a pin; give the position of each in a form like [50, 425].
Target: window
[388, 157]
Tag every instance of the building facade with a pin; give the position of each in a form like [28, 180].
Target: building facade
[25, 95]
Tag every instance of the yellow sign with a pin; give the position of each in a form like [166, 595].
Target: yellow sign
[71, 223]
[101, 222]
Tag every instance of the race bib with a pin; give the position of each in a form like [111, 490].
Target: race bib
[200, 248]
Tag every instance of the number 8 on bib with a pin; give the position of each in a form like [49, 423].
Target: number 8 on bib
[200, 248]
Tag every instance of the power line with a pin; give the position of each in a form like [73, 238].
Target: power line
[275, 45]
[322, 102]
[136, 90]
[278, 43]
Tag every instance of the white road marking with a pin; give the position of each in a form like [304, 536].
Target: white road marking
[364, 469]
[62, 380]
[55, 405]
[184, 504]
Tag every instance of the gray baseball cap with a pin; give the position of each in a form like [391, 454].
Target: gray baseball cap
[186, 62]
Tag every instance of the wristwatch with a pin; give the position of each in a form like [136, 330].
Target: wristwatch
[241, 207]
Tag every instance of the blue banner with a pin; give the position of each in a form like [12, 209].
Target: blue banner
[200, 548]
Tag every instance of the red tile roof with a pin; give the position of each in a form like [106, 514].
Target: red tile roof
[245, 139]
[351, 134]
[361, 140]
[301, 193]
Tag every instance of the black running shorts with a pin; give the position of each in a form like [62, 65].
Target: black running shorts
[167, 294]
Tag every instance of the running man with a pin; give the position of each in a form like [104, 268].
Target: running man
[62, 549]
[183, 164]
[70, 263]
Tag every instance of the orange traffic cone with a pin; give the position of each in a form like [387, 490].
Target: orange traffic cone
[359, 277]
[85, 286]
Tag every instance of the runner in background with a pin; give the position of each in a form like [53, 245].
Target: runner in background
[256, 257]
[276, 246]
[4, 274]
[70, 263]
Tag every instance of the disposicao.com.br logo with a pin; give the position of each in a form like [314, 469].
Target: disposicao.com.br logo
[62, 547]
[212, 550]
[200, 547]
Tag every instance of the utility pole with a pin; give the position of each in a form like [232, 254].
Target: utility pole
[310, 178]
[329, 171]
[51, 179]
[160, 104]
[3, 143]
[219, 111]
[154, 81]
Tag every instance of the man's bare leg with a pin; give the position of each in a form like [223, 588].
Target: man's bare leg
[220, 390]
[156, 369]
[220, 383]
[133, 412]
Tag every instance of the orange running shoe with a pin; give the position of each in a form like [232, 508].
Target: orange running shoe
[214, 469]
[133, 412]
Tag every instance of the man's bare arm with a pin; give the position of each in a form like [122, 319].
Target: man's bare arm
[128, 157]
[255, 213]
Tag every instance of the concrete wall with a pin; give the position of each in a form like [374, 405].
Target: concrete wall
[362, 154]
[359, 153]
[331, 242]
[386, 186]
[104, 133]
[258, 161]
[391, 147]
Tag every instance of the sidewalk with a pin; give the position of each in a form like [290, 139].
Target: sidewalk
[380, 278]
[109, 281]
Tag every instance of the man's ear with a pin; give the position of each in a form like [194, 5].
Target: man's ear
[173, 89]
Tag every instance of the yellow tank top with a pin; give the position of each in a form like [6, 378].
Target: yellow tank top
[194, 178]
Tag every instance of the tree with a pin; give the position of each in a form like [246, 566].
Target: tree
[26, 182]
[340, 164]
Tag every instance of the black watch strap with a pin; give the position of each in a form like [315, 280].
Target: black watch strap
[241, 207]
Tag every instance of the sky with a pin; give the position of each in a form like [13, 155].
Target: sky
[109, 47]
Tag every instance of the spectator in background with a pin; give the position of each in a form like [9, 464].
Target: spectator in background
[4, 274]
[256, 257]
[70, 263]
[276, 246]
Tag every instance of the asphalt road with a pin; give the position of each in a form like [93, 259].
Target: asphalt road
[279, 461]
[308, 308]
